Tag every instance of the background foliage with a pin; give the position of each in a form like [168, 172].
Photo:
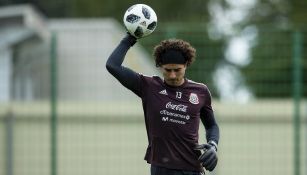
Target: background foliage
[178, 17]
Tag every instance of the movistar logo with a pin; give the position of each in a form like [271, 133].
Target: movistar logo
[164, 119]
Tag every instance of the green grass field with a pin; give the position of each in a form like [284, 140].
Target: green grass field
[95, 146]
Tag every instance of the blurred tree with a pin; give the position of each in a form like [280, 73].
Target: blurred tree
[269, 74]
[274, 21]
[169, 10]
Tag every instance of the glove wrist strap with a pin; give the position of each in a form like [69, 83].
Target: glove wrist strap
[211, 142]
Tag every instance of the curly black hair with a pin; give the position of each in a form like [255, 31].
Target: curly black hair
[184, 47]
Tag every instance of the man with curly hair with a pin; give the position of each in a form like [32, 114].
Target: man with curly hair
[173, 108]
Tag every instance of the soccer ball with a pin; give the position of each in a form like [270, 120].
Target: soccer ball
[140, 20]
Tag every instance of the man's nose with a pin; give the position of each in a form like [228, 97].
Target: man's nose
[172, 74]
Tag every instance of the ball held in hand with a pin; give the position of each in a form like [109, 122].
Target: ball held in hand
[140, 20]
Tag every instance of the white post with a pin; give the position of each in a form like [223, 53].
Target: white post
[5, 74]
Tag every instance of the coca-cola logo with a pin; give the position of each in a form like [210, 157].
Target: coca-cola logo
[179, 107]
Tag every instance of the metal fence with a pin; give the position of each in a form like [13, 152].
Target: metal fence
[262, 121]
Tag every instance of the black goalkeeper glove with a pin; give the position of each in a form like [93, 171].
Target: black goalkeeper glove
[129, 39]
[209, 158]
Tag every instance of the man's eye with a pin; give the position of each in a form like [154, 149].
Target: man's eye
[171, 70]
[176, 70]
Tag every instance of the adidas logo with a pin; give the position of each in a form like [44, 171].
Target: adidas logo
[163, 92]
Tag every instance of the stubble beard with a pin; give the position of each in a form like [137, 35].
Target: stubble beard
[175, 81]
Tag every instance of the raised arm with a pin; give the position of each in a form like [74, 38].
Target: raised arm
[124, 75]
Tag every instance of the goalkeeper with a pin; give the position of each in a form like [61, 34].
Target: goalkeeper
[173, 108]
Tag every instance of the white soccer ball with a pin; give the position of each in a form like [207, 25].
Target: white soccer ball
[140, 20]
